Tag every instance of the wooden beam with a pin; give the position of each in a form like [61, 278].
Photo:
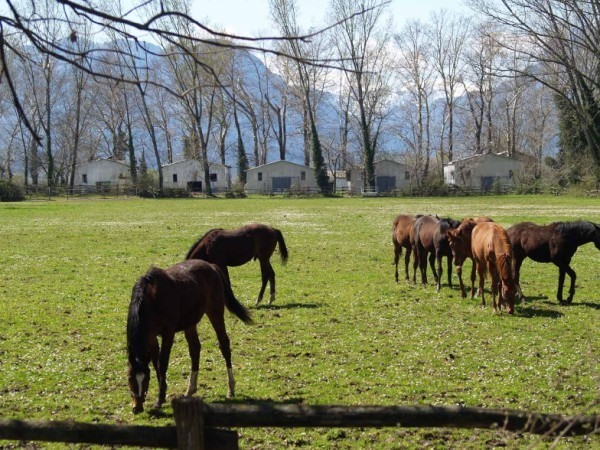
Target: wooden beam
[273, 415]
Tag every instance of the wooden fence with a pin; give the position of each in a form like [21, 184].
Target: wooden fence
[196, 422]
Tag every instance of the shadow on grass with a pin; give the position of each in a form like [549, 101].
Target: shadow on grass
[287, 306]
[528, 312]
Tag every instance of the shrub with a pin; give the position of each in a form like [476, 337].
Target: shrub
[10, 192]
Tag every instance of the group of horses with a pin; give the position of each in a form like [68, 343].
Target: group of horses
[167, 301]
[494, 250]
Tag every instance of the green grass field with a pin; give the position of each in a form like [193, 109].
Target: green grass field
[340, 332]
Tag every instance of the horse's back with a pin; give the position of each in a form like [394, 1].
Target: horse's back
[531, 240]
[489, 239]
[425, 227]
[402, 229]
[198, 286]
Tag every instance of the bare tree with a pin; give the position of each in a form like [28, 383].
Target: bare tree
[361, 43]
[284, 14]
[560, 37]
[417, 72]
[449, 38]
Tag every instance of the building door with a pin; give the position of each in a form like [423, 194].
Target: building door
[487, 183]
[386, 184]
[281, 183]
[194, 186]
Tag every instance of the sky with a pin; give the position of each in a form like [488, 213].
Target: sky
[252, 17]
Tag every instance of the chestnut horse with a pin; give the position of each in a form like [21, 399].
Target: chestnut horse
[555, 243]
[459, 240]
[164, 302]
[492, 253]
[236, 247]
[402, 237]
[431, 242]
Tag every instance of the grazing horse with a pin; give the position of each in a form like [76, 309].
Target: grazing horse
[459, 240]
[236, 247]
[402, 237]
[430, 238]
[164, 302]
[492, 253]
[555, 243]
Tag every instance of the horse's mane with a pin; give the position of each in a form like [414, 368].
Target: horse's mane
[193, 247]
[136, 319]
[579, 226]
[505, 266]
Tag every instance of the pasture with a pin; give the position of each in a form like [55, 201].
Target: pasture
[341, 331]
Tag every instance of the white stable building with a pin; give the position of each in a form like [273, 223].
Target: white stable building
[390, 176]
[189, 174]
[484, 171]
[102, 174]
[280, 176]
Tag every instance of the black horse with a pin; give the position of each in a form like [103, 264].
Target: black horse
[236, 247]
[555, 243]
[164, 302]
[431, 243]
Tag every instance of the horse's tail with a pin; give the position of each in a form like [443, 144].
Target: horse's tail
[282, 248]
[232, 303]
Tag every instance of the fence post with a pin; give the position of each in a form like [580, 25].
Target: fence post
[189, 421]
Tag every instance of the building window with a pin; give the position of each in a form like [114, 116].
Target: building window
[407, 175]
[213, 177]
[174, 178]
[84, 178]
[259, 176]
[303, 176]
[510, 173]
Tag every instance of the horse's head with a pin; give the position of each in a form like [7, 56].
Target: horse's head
[138, 375]
[508, 296]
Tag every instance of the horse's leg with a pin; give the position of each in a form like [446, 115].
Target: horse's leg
[518, 262]
[561, 282]
[495, 280]
[449, 268]
[438, 260]
[267, 275]
[163, 364]
[218, 323]
[463, 294]
[473, 270]
[481, 273]
[406, 263]
[397, 254]
[432, 265]
[194, 347]
[573, 276]
[154, 351]
[422, 264]
[415, 263]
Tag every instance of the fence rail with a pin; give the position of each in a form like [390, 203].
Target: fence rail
[195, 421]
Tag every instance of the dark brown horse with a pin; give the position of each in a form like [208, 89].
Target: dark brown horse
[555, 243]
[431, 242]
[164, 302]
[236, 247]
[402, 237]
[492, 253]
[459, 240]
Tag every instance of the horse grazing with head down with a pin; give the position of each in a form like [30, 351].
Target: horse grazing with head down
[555, 243]
[492, 253]
[164, 302]
[459, 240]
[431, 242]
[402, 236]
[236, 247]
